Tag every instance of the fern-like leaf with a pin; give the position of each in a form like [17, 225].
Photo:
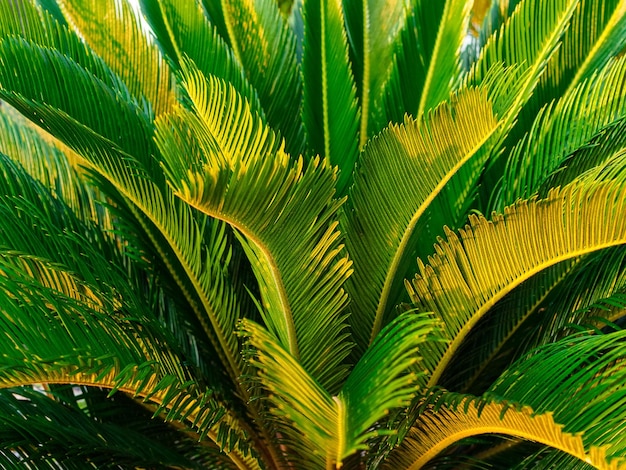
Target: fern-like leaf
[241, 174]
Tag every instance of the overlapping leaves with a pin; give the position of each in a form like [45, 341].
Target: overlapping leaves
[241, 174]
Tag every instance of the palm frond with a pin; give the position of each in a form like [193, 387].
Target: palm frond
[122, 150]
[22, 19]
[52, 342]
[52, 165]
[586, 294]
[373, 27]
[52, 7]
[193, 37]
[603, 25]
[427, 59]
[460, 283]
[115, 235]
[38, 426]
[562, 127]
[215, 12]
[546, 459]
[420, 159]
[152, 13]
[27, 68]
[591, 297]
[445, 425]
[539, 45]
[266, 47]
[323, 429]
[604, 148]
[114, 33]
[589, 366]
[330, 112]
[541, 38]
[246, 179]
[495, 340]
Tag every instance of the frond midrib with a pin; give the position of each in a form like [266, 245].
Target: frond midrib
[454, 345]
[493, 419]
[431, 69]
[476, 375]
[399, 254]
[270, 261]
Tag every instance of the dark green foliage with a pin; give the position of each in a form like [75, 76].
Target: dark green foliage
[312, 234]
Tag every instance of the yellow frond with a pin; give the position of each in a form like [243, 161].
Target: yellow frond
[113, 31]
[473, 271]
[436, 430]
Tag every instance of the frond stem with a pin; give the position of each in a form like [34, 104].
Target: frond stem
[616, 17]
[392, 272]
[454, 345]
[513, 330]
[285, 308]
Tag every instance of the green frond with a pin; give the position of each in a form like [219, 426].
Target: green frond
[22, 19]
[603, 27]
[461, 282]
[444, 426]
[113, 31]
[194, 38]
[215, 12]
[27, 69]
[125, 164]
[426, 64]
[324, 429]
[75, 248]
[246, 179]
[152, 13]
[529, 41]
[563, 127]
[590, 297]
[266, 47]
[52, 341]
[588, 366]
[373, 27]
[202, 252]
[585, 293]
[330, 111]
[431, 163]
[47, 254]
[389, 373]
[40, 428]
[52, 7]
[503, 332]
[604, 149]
[547, 459]
[497, 14]
[52, 165]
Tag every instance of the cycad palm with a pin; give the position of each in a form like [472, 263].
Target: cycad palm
[207, 225]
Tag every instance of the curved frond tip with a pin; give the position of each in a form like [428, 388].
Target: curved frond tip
[240, 173]
[471, 272]
[431, 164]
[436, 430]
